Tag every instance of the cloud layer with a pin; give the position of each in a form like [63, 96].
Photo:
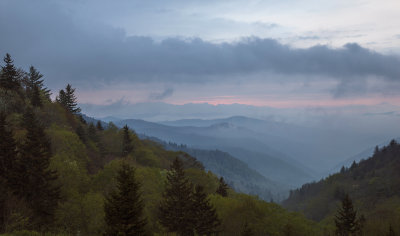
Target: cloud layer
[67, 48]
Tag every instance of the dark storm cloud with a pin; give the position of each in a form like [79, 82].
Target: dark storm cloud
[65, 48]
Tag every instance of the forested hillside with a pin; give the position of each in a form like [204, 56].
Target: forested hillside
[62, 175]
[236, 172]
[373, 184]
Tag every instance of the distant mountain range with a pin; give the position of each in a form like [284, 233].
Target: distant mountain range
[237, 173]
[242, 142]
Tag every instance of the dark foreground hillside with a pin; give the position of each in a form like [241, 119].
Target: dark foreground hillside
[373, 184]
[57, 172]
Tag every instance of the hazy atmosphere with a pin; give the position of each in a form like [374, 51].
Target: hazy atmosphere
[268, 94]
[290, 61]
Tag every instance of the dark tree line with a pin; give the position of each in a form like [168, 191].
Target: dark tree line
[25, 174]
[30, 195]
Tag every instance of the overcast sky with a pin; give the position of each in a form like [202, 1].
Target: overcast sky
[278, 53]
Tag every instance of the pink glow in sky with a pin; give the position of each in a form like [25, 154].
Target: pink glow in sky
[296, 103]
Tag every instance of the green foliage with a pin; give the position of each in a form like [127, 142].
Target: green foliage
[346, 219]
[205, 218]
[34, 80]
[124, 206]
[68, 99]
[35, 97]
[222, 188]
[246, 230]
[127, 146]
[99, 126]
[36, 184]
[176, 206]
[9, 75]
[262, 217]
[374, 185]
[87, 160]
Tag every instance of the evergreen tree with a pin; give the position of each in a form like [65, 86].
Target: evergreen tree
[72, 104]
[346, 219]
[35, 97]
[8, 157]
[80, 131]
[92, 133]
[62, 98]
[205, 216]
[246, 230]
[68, 99]
[353, 165]
[124, 207]
[222, 188]
[9, 75]
[36, 183]
[8, 154]
[175, 211]
[34, 79]
[127, 146]
[99, 126]
[376, 150]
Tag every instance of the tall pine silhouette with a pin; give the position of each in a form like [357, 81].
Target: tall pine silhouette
[9, 75]
[205, 216]
[37, 181]
[346, 219]
[124, 207]
[68, 99]
[33, 81]
[176, 208]
[127, 146]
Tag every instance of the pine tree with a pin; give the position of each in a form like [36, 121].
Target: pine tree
[8, 157]
[222, 188]
[9, 75]
[80, 131]
[62, 98]
[34, 79]
[8, 153]
[99, 126]
[246, 230]
[37, 181]
[205, 216]
[71, 99]
[127, 146]
[92, 133]
[346, 218]
[124, 207]
[175, 211]
[68, 99]
[35, 97]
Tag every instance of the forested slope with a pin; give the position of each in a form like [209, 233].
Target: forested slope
[373, 184]
[57, 170]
